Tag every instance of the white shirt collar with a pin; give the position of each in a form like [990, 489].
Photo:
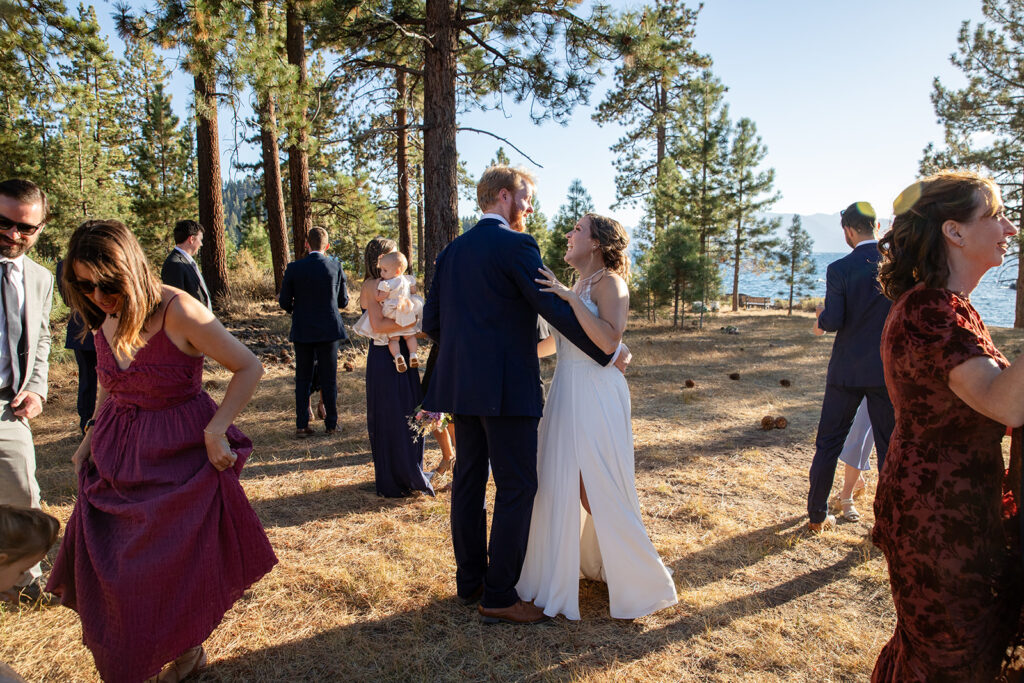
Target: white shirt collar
[497, 217]
[18, 261]
[865, 242]
[187, 255]
[314, 251]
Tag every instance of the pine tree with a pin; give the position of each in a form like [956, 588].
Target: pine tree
[984, 121]
[795, 265]
[749, 192]
[577, 203]
[649, 93]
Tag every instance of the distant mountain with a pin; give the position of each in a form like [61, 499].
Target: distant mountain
[823, 228]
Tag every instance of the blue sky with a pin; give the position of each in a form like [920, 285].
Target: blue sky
[839, 93]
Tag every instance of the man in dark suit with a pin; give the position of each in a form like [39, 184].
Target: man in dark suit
[482, 310]
[855, 309]
[180, 268]
[313, 291]
[27, 297]
[85, 357]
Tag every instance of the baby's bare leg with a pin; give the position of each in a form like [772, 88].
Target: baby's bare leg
[393, 347]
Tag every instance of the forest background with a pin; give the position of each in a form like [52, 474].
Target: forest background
[354, 109]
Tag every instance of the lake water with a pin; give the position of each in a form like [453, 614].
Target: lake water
[995, 302]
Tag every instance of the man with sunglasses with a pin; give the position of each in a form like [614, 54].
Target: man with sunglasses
[26, 292]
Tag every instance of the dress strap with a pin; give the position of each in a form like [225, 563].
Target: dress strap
[163, 318]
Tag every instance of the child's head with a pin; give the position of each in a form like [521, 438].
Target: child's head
[25, 536]
[392, 265]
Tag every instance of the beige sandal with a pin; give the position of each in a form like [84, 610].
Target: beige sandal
[191, 661]
[400, 364]
[849, 511]
[414, 362]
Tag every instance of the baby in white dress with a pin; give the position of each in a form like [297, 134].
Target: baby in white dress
[396, 293]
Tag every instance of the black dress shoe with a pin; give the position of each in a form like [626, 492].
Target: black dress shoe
[303, 432]
[332, 430]
[472, 598]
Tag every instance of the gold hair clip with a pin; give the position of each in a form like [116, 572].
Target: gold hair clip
[906, 199]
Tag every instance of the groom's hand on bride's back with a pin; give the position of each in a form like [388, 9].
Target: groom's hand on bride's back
[623, 359]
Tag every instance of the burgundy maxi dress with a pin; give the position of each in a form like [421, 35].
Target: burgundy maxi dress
[160, 544]
[943, 517]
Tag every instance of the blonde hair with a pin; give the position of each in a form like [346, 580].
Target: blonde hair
[500, 177]
[25, 532]
[612, 240]
[110, 249]
[394, 258]
[376, 248]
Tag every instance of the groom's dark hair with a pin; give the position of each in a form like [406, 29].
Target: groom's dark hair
[500, 177]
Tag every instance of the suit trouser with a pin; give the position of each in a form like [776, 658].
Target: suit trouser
[509, 446]
[838, 409]
[326, 356]
[18, 484]
[86, 360]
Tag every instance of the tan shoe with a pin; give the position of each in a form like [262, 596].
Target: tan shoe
[181, 668]
[400, 364]
[519, 613]
[817, 527]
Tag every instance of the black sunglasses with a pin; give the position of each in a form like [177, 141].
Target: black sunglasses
[87, 287]
[24, 228]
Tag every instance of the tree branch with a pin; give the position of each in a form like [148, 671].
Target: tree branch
[505, 140]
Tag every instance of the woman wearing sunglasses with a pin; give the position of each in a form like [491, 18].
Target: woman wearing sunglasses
[162, 540]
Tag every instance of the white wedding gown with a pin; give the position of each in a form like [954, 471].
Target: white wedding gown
[586, 430]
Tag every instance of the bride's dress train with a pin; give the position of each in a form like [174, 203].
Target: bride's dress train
[586, 431]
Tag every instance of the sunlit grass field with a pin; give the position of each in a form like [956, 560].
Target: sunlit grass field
[365, 587]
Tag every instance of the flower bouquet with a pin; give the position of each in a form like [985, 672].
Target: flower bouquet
[422, 423]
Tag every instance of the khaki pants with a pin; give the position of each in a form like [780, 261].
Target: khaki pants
[18, 484]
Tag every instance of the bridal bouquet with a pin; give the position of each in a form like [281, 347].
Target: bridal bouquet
[423, 423]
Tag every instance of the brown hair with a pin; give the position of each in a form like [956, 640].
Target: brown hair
[914, 249]
[26, 192]
[500, 177]
[397, 258]
[317, 238]
[110, 249]
[25, 532]
[612, 240]
[376, 248]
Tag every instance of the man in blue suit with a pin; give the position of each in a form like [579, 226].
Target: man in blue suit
[482, 310]
[85, 357]
[313, 291]
[855, 309]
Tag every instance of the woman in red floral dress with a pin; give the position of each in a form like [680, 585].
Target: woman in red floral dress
[948, 537]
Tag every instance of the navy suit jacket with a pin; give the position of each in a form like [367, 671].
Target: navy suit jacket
[482, 310]
[855, 309]
[313, 290]
[75, 322]
[178, 272]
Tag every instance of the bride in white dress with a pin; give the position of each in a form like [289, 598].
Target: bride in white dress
[586, 515]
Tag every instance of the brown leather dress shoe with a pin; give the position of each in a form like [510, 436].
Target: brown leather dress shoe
[519, 613]
[303, 432]
[817, 527]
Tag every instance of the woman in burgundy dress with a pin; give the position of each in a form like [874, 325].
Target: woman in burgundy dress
[162, 540]
[948, 536]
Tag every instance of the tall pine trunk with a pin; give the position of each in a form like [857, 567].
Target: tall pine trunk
[419, 218]
[440, 157]
[401, 119]
[273, 195]
[1018, 312]
[298, 153]
[213, 255]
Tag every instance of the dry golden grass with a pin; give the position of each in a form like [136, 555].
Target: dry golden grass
[365, 586]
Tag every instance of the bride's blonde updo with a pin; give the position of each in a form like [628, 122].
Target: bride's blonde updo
[612, 240]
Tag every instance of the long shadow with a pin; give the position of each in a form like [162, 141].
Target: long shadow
[720, 560]
[443, 641]
[273, 468]
[322, 504]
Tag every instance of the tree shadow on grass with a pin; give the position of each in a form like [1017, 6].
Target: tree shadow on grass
[272, 468]
[324, 503]
[443, 641]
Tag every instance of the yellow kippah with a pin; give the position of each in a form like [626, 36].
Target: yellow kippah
[905, 202]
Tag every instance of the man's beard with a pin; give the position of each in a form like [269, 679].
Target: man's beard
[14, 248]
[517, 220]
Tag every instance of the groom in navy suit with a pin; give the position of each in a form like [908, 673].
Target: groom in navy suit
[313, 291]
[855, 309]
[482, 311]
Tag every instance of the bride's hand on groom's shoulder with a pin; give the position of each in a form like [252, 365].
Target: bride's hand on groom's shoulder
[551, 284]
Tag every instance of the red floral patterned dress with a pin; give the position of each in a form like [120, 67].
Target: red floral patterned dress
[939, 512]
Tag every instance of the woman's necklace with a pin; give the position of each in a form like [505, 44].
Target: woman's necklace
[583, 285]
